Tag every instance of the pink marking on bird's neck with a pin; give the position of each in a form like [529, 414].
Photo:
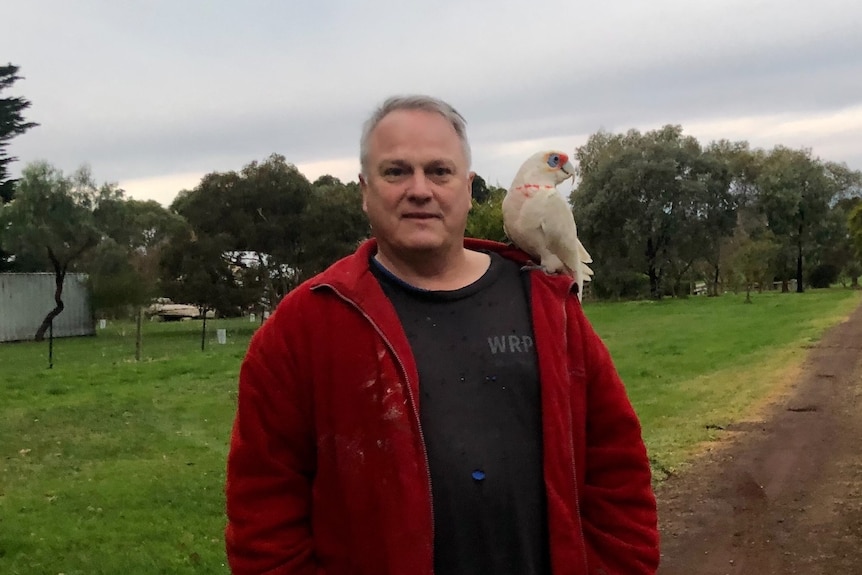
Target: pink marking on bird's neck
[529, 189]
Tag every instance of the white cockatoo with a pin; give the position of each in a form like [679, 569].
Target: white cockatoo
[539, 221]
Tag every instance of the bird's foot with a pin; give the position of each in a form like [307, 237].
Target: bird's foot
[532, 266]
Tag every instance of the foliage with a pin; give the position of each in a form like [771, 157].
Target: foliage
[652, 202]
[824, 276]
[12, 124]
[255, 218]
[661, 206]
[124, 270]
[194, 271]
[752, 260]
[51, 221]
[333, 224]
[480, 190]
[794, 195]
[742, 165]
[114, 284]
[485, 220]
[854, 222]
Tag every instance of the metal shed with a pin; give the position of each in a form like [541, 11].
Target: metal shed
[25, 300]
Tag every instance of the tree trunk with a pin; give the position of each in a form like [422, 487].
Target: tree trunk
[138, 334]
[204, 329]
[59, 279]
[748, 293]
[799, 262]
[785, 287]
[715, 281]
[268, 287]
[854, 281]
[651, 253]
[653, 283]
[677, 284]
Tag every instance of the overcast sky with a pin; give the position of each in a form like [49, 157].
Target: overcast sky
[152, 94]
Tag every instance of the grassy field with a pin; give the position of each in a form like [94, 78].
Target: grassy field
[695, 364]
[110, 466]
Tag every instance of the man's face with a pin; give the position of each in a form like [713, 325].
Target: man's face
[418, 189]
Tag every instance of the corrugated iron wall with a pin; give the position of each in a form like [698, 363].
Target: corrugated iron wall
[25, 300]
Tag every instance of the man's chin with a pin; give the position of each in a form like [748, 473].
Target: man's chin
[420, 244]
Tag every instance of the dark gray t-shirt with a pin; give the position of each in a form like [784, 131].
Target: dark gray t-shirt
[480, 412]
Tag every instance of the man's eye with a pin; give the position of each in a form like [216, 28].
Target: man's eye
[441, 171]
[393, 172]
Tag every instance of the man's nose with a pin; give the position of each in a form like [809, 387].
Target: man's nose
[419, 186]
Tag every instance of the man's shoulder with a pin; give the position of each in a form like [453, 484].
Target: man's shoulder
[506, 250]
[343, 271]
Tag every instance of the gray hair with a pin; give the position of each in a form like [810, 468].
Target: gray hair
[415, 102]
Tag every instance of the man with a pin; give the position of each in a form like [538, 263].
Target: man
[431, 404]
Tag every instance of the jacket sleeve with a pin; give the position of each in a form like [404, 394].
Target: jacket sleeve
[618, 506]
[271, 462]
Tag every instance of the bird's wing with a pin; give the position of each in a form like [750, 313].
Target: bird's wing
[558, 225]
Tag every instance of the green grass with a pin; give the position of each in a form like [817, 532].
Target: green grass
[111, 466]
[693, 364]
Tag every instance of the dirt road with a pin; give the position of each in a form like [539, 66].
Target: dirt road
[784, 496]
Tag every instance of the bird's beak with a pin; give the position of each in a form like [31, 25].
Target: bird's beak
[569, 169]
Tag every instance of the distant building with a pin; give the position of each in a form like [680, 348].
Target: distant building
[25, 300]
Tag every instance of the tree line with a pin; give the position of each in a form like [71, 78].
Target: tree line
[659, 212]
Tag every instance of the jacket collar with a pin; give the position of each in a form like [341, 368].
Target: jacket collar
[352, 275]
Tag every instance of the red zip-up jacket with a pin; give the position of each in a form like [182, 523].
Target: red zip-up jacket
[327, 471]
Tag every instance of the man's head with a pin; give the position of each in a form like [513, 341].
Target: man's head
[415, 102]
[416, 179]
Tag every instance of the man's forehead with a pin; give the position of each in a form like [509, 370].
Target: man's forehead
[416, 158]
[424, 138]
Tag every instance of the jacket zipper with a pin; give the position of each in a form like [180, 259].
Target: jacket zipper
[413, 403]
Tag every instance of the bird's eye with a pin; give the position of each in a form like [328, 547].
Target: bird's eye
[554, 160]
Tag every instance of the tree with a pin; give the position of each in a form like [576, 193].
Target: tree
[333, 224]
[854, 225]
[752, 261]
[115, 285]
[795, 194]
[740, 165]
[124, 269]
[11, 124]
[832, 252]
[195, 271]
[256, 215]
[51, 220]
[485, 220]
[651, 204]
[480, 190]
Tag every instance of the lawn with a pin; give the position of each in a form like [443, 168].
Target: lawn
[692, 366]
[111, 466]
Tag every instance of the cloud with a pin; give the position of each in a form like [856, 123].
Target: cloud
[144, 91]
[163, 189]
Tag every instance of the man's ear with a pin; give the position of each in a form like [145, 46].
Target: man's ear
[363, 187]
